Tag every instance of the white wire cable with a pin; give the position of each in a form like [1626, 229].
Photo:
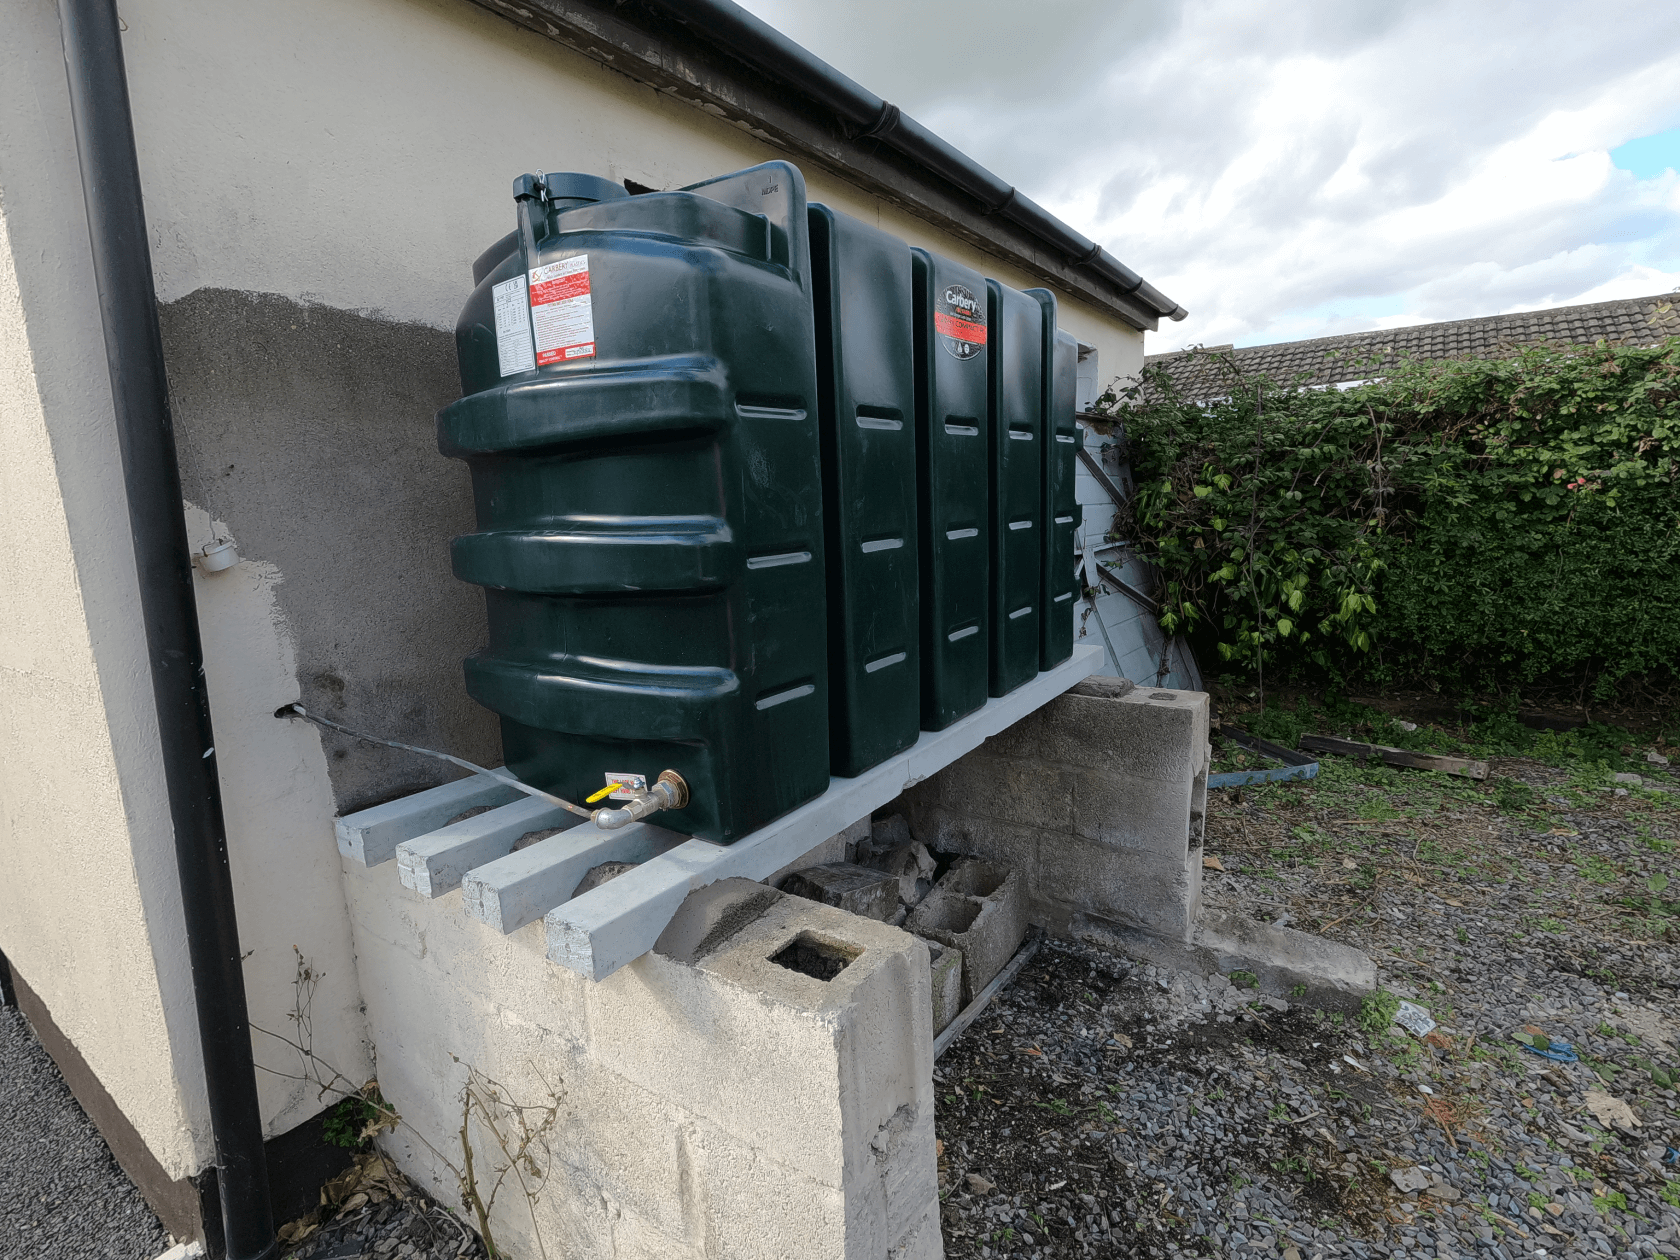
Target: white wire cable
[501, 776]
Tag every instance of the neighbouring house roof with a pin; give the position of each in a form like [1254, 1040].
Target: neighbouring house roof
[1361, 356]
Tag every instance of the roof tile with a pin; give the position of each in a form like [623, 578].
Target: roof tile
[1360, 356]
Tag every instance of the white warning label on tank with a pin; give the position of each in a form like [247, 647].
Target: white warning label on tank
[513, 327]
[561, 313]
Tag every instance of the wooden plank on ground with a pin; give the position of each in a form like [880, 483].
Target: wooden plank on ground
[1396, 756]
[975, 1009]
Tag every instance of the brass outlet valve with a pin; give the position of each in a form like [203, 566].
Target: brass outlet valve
[670, 792]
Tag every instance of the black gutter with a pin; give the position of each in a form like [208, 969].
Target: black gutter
[867, 116]
[122, 268]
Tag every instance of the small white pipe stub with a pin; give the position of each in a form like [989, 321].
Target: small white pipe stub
[217, 556]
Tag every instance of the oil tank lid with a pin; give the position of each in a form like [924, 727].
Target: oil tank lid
[569, 187]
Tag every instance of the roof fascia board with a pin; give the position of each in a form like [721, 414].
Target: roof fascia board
[712, 82]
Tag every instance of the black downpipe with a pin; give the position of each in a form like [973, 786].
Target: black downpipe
[770, 52]
[122, 268]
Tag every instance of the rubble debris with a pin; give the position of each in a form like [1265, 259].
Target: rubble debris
[1610, 1110]
[891, 848]
[855, 889]
[1409, 1180]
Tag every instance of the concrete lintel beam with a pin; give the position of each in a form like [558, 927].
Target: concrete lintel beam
[371, 836]
[434, 863]
[613, 925]
[522, 887]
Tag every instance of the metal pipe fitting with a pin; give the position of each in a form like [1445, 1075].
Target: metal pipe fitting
[670, 792]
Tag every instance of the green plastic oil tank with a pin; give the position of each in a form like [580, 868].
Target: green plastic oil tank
[866, 406]
[640, 423]
[1057, 579]
[952, 496]
[1015, 394]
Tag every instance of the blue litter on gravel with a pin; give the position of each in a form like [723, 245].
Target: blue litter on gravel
[1560, 1052]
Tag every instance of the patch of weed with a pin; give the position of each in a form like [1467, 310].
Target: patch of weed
[1377, 1010]
[1596, 869]
[1654, 842]
[346, 1124]
[1512, 796]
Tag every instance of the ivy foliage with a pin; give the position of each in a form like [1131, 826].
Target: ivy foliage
[1476, 521]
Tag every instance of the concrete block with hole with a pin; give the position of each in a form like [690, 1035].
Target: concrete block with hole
[981, 909]
[945, 968]
[759, 1085]
[1098, 799]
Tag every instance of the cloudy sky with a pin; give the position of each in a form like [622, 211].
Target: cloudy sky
[1302, 168]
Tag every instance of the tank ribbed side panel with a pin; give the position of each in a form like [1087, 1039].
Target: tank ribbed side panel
[649, 531]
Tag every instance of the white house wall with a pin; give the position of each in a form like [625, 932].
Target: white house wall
[90, 913]
[319, 175]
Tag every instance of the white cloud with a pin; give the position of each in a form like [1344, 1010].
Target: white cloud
[1295, 170]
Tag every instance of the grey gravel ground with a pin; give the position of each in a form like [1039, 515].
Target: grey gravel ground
[62, 1196]
[61, 1193]
[1105, 1107]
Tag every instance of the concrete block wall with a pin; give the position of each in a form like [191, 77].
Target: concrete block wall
[728, 1106]
[1099, 799]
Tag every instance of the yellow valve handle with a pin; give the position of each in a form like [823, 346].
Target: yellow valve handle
[608, 791]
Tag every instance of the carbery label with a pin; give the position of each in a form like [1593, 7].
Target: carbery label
[960, 321]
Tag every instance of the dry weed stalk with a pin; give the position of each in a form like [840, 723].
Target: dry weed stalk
[519, 1131]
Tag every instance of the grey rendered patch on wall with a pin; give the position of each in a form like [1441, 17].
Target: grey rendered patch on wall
[310, 431]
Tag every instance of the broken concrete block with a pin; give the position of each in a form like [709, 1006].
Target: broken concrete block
[712, 915]
[891, 849]
[981, 909]
[889, 833]
[837, 848]
[947, 984]
[855, 889]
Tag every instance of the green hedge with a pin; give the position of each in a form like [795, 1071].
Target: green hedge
[1470, 522]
